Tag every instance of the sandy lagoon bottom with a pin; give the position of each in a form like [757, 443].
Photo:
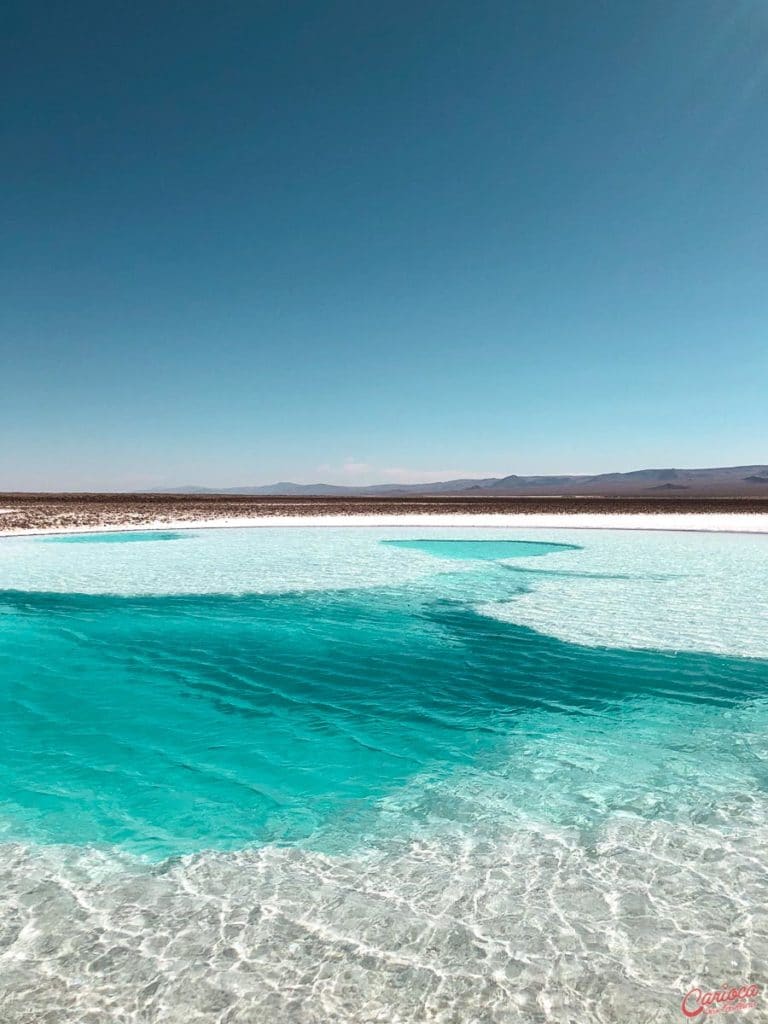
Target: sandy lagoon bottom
[376, 775]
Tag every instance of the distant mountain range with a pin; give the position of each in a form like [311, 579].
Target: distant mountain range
[734, 481]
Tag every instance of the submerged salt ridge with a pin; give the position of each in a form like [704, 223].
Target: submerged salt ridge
[355, 798]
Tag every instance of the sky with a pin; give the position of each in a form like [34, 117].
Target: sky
[356, 242]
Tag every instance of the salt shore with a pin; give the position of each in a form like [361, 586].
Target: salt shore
[711, 522]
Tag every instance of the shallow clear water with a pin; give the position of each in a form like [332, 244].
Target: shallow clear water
[343, 778]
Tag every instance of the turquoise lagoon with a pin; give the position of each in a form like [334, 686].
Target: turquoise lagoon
[314, 774]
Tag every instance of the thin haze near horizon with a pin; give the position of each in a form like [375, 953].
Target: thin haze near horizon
[356, 242]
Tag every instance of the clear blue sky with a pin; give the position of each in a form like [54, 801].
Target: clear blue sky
[249, 241]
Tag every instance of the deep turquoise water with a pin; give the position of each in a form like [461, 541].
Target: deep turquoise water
[176, 723]
[380, 767]
[483, 550]
[137, 537]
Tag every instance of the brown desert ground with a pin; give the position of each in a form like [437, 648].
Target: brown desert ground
[41, 512]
